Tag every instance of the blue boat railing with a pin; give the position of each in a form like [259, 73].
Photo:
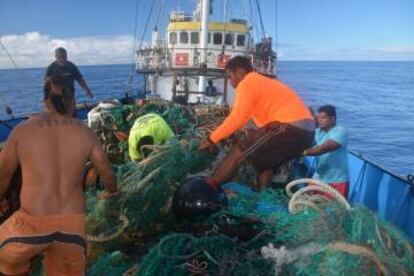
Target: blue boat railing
[7, 125]
[389, 195]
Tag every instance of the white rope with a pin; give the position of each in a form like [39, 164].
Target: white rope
[300, 199]
[104, 238]
[282, 255]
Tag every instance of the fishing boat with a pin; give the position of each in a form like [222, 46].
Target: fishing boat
[195, 51]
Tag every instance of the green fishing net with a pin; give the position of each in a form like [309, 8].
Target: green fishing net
[137, 234]
[114, 125]
[316, 243]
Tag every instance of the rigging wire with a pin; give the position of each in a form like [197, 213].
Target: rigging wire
[160, 12]
[146, 25]
[7, 108]
[259, 10]
[8, 54]
[253, 22]
[141, 40]
[226, 11]
[165, 16]
[276, 33]
[245, 10]
[131, 77]
[276, 21]
[142, 37]
[225, 18]
[226, 14]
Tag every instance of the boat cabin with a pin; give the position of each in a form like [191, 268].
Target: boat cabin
[181, 47]
[225, 40]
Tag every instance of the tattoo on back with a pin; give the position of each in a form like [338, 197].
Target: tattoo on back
[58, 123]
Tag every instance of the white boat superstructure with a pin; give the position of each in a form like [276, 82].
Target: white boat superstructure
[195, 51]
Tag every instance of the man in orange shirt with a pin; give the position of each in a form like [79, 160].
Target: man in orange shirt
[285, 126]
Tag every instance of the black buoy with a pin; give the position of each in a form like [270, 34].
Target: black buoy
[195, 197]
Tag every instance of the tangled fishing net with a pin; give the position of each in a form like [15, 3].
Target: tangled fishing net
[272, 232]
[259, 236]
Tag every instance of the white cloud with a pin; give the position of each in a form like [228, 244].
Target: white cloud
[37, 50]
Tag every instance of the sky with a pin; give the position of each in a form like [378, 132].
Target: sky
[102, 31]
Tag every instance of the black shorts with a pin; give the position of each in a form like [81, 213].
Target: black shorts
[270, 146]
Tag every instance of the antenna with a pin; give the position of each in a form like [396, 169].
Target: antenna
[205, 10]
[276, 32]
[225, 9]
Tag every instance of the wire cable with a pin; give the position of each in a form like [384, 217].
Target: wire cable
[8, 54]
[131, 77]
[159, 13]
[259, 10]
[276, 30]
[7, 108]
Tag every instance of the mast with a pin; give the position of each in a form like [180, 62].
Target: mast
[205, 10]
[154, 38]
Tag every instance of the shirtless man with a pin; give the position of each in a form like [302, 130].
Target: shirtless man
[52, 149]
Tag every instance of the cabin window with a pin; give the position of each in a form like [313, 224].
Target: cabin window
[173, 38]
[183, 37]
[209, 38]
[229, 39]
[218, 38]
[241, 40]
[195, 38]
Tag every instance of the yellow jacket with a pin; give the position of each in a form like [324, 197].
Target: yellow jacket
[148, 125]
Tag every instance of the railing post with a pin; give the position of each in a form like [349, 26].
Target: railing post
[225, 90]
[205, 10]
[174, 88]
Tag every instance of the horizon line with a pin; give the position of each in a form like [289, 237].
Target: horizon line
[280, 60]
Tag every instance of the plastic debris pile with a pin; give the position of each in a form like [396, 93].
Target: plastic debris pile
[268, 233]
[257, 235]
[113, 124]
[147, 187]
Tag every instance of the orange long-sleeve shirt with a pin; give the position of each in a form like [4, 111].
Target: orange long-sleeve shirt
[264, 100]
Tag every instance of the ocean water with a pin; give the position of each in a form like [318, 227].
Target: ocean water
[374, 100]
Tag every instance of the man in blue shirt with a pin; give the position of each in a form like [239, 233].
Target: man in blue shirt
[330, 150]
